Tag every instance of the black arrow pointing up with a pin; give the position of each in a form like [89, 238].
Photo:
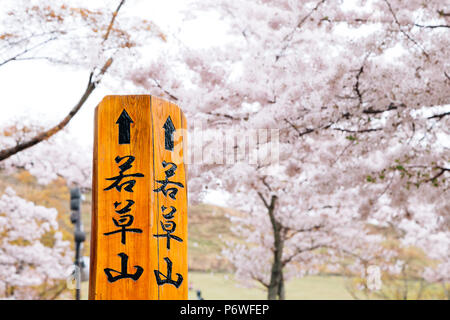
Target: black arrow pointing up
[124, 121]
[169, 129]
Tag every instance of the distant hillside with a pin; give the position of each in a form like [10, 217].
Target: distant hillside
[208, 230]
[208, 226]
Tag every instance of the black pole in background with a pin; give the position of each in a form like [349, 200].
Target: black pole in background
[79, 235]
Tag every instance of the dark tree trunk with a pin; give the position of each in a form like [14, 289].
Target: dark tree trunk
[275, 290]
[276, 285]
[281, 291]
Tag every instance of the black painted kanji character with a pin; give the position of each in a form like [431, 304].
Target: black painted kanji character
[126, 208]
[168, 279]
[169, 215]
[124, 222]
[169, 173]
[123, 273]
[118, 179]
[169, 227]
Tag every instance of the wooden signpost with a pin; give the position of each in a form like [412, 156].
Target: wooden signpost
[139, 195]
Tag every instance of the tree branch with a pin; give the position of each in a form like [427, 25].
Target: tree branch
[432, 26]
[298, 26]
[6, 153]
[439, 116]
[111, 23]
[442, 170]
[296, 231]
[260, 280]
[358, 131]
[390, 107]
[446, 75]
[266, 184]
[164, 90]
[404, 32]
[345, 115]
[356, 86]
[92, 84]
[263, 200]
[49, 59]
[299, 251]
[25, 51]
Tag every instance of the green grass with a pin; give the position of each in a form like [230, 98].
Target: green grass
[222, 286]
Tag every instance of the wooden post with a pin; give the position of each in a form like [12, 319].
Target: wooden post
[139, 200]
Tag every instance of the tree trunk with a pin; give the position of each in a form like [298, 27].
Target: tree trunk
[275, 289]
[281, 290]
[276, 285]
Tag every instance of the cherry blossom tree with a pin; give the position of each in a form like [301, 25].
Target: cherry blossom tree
[358, 91]
[416, 270]
[353, 95]
[48, 160]
[34, 260]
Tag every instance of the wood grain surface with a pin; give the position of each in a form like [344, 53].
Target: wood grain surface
[137, 264]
